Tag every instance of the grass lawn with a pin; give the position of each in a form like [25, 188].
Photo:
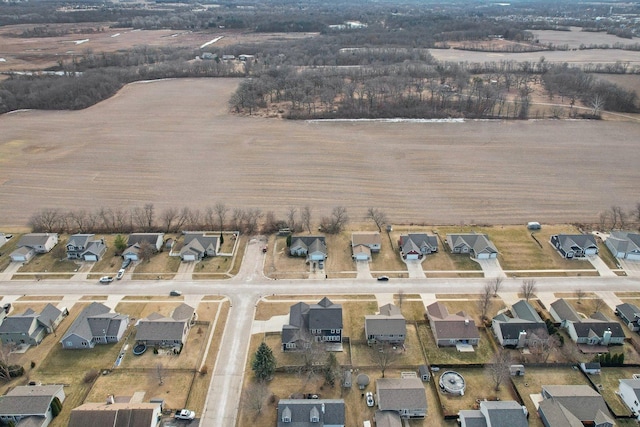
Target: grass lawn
[159, 265]
[218, 264]
[279, 265]
[353, 317]
[363, 355]
[6, 249]
[478, 387]
[221, 267]
[607, 383]
[388, 259]
[110, 263]
[449, 355]
[411, 309]
[47, 263]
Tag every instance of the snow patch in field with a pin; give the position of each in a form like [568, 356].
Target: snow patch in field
[81, 41]
[396, 120]
[211, 42]
[115, 35]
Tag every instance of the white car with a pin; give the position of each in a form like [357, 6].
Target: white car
[120, 274]
[184, 414]
[370, 401]
[106, 279]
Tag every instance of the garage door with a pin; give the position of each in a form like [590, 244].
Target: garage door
[189, 258]
[18, 258]
[633, 257]
[412, 256]
[483, 256]
[90, 258]
[591, 251]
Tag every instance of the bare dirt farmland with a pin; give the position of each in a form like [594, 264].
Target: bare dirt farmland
[174, 143]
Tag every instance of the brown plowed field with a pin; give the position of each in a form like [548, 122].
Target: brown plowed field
[174, 143]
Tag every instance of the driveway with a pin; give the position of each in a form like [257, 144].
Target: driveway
[414, 267]
[603, 269]
[490, 267]
[632, 268]
[363, 270]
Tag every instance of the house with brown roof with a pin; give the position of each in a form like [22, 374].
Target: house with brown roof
[451, 329]
[157, 330]
[389, 326]
[120, 414]
[30, 405]
[406, 396]
[363, 244]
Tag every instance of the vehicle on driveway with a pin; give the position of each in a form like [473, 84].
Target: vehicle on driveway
[370, 401]
[184, 414]
[120, 274]
[175, 293]
[126, 263]
[106, 279]
[383, 279]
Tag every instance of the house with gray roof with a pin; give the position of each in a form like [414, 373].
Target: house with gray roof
[507, 413]
[596, 330]
[624, 245]
[415, 245]
[198, 245]
[85, 247]
[451, 329]
[389, 326]
[314, 248]
[477, 245]
[136, 240]
[33, 243]
[96, 324]
[406, 396]
[311, 413]
[629, 392]
[160, 331]
[116, 414]
[562, 312]
[573, 406]
[575, 245]
[321, 322]
[30, 327]
[523, 328]
[630, 315]
[30, 405]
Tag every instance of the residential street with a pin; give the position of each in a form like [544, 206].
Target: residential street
[250, 284]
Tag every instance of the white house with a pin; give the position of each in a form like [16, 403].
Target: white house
[33, 243]
[629, 391]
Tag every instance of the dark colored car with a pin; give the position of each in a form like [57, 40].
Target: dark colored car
[383, 278]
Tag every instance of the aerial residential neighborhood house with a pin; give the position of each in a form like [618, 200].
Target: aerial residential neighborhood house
[451, 329]
[30, 327]
[85, 247]
[95, 325]
[406, 396]
[629, 392]
[387, 327]
[522, 330]
[506, 413]
[198, 245]
[160, 331]
[624, 245]
[30, 406]
[416, 245]
[320, 322]
[575, 245]
[33, 243]
[630, 315]
[477, 245]
[313, 248]
[596, 330]
[135, 241]
[562, 312]
[364, 244]
[573, 405]
[120, 414]
[311, 413]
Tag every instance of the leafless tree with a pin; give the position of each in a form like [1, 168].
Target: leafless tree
[602, 220]
[252, 217]
[498, 368]
[496, 285]
[143, 217]
[47, 220]
[580, 294]
[255, 397]
[168, 217]
[378, 217]
[598, 305]
[291, 218]
[122, 220]
[528, 288]
[78, 221]
[237, 218]
[485, 300]
[221, 212]
[5, 361]
[542, 345]
[209, 218]
[312, 355]
[146, 251]
[305, 218]
[336, 222]
[384, 354]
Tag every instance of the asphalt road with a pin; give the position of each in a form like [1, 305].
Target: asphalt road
[245, 289]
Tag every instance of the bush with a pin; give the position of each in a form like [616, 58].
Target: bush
[91, 376]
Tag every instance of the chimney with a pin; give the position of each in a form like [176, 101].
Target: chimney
[606, 337]
[466, 322]
[110, 400]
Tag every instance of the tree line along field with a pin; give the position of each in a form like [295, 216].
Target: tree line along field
[174, 143]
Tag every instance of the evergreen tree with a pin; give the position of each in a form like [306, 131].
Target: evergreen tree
[264, 363]
[120, 243]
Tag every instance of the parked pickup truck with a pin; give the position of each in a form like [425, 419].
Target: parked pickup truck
[184, 414]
